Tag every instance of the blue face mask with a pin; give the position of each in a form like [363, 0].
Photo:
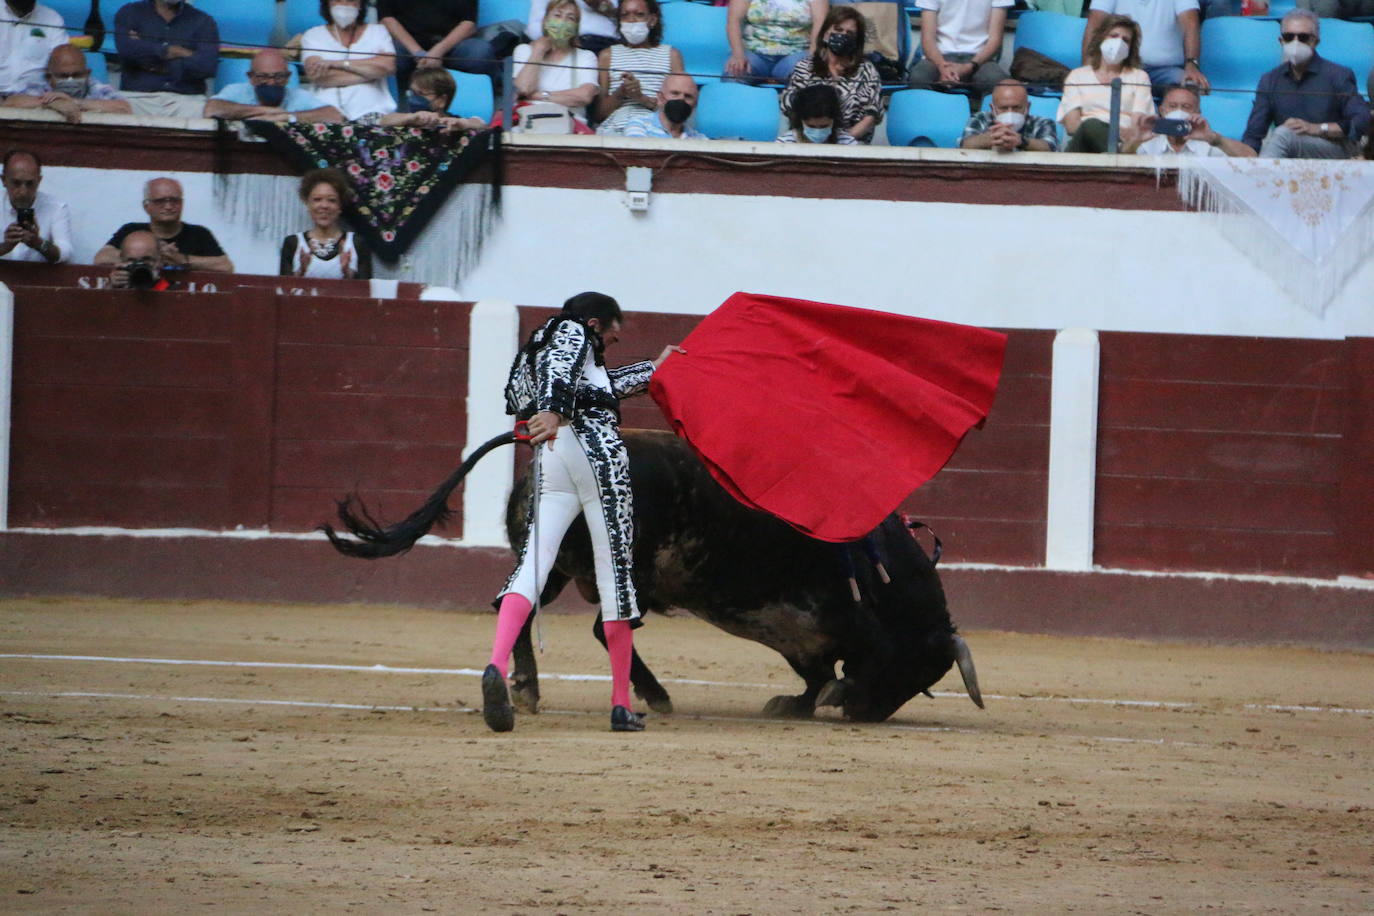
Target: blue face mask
[817, 134]
[270, 94]
[418, 102]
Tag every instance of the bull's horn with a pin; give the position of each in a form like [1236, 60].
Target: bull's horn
[965, 660]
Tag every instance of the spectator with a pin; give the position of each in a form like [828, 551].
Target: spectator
[595, 23]
[267, 97]
[167, 50]
[1171, 39]
[431, 94]
[348, 61]
[1338, 9]
[1008, 125]
[181, 245]
[551, 68]
[1312, 103]
[768, 38]
[815, 117]
[961, 41]
[633, 72]
[1182, 103]
[325, 250]
[37, 225]
[676, 100]
[1085, 108]
[29, 33]
[67, 88]
[839, 62]
[436, 34]
[138, 263]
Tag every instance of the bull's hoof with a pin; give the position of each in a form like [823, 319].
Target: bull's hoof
[833, 693]
[785, 707]
[525, 696]
[657, 700]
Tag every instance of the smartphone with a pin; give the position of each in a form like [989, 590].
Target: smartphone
[24, 216]
[1171, 127]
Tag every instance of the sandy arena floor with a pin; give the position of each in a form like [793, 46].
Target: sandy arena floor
[1104, 777]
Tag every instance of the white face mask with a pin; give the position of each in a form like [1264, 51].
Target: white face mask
[1114, 50]
[1013, 119]
[1178, 114]
[1297, 52]
[634, 32]
[343, 16]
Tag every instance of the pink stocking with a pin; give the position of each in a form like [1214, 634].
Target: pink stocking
[510, 620]
[620, 645]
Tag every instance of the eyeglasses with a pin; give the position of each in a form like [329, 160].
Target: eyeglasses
[271, 77]
[1305, 37]
[70, 75]
[164, 201]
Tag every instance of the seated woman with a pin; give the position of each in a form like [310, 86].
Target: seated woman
[631, 73]
[431, 94]
[1085, 109]
[768, 38]
[815, 117]
[325, 250]
[839, 62]
[552, 68]
[348, 61]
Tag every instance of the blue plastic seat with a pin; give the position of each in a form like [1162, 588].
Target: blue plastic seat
[1350, 44]
[489, 11]
[1227, 114]
[99, 69]
[1237, 51]
[474, 97]
[698, 32]
[73, 13]
[1048, 107]
[244, 23]
[232, 70]
[923, 117]
[301, 15]
[1052, 34]
[736, 111]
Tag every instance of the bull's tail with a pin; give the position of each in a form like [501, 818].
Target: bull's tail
[375, 541]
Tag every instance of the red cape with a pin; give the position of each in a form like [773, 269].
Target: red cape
[823, 415]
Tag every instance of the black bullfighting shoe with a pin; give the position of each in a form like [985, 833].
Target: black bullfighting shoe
[622, 720]
[496, 709]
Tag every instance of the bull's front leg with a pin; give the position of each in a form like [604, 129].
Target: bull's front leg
[816, 672]
[646, 685]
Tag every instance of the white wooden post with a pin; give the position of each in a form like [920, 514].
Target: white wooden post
[1073, 450]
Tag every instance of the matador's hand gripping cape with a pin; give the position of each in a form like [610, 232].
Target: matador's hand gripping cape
[823, 415]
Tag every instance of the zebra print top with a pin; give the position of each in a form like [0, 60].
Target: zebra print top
[649, 65]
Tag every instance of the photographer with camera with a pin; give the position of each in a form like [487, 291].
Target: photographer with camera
[37, 225]
[140, 263]
[1180, 130]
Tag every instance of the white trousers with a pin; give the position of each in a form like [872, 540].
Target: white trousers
[567, 489]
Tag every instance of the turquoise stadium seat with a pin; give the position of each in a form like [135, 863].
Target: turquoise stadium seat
[99, 70]
[73, 13]
[301, 15]
[1237, 51]
[474, 97]
[1350, 44]
[1048, 107]
[735, 111]
[244, 23]
[1227, 114]
[1052, 34]
[698, 32]
[489, 11]
[923, 117]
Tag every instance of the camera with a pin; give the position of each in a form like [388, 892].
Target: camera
[24, 217]
[142, 273]
[1173, 127]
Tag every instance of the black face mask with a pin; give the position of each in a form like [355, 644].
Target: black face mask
[270, 94]
[841, 44]
[677, 111]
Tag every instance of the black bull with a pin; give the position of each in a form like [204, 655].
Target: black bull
[699, 549]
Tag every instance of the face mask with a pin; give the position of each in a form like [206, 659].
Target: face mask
[418, 102]
[1297, 52]
[677, 110]
[343, 16]
[816, 134]
[559, 30]
[634, 32]
[76, 88]
[1178, 114]
[1013, 119]
[270, 94]
[841, 44]
[1114, 50]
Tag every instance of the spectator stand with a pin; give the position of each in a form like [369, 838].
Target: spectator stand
[1052, 34]
[1237, 51]
[474, 96]
[923, 117]
[736, 111]
[698, 32]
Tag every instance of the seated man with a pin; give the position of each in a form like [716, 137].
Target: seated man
[677, 97]
[167, 50]
[1008, 125]
[180, 245]
[961, 41]
[1170, 38]
[1181, 104]
[67, 88]
[267, 97]
[431, 95]
[28, 33]
[37, 226]
[139, 263]
[1313, 104]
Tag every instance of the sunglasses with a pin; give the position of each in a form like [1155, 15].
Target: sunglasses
[164, 201]
[1305, 37]
[279, 77]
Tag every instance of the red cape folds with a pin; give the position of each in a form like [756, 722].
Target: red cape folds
[823, 415]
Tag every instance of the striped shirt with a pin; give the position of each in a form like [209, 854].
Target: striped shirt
[649, 65]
